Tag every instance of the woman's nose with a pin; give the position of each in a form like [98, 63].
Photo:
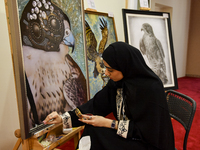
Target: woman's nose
[106, 72]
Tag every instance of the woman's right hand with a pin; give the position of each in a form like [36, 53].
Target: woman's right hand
[53, 118]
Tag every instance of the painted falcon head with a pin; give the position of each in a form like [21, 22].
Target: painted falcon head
[42, 25]
[147, 28]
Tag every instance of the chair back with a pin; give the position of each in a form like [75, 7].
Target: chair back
[182, 108]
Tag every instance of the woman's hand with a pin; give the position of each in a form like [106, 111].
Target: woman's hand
[53, 118]
[97, 121]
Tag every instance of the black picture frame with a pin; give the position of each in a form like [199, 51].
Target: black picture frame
[157, 36]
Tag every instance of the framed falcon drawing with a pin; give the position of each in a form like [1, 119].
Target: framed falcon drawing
[48, 47]
[151, 33]
[100, 32]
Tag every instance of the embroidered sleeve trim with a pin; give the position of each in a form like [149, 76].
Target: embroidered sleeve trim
[66, 120]
[123, 128]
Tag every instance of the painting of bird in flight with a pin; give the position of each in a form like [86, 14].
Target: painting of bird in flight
[94, 54]
[100, 32]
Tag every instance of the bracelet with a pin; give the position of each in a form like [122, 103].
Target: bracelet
[113, 124]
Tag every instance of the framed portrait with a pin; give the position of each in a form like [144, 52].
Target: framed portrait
[138, 4]
[100, 33]
[151, 33]
[48, 47]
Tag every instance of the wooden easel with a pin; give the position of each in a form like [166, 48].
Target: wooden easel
[32, 143]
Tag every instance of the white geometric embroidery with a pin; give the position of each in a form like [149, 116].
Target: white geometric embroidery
[123, 120]
[119, 100]
[66, 118]
[123, 128]
[120, 105]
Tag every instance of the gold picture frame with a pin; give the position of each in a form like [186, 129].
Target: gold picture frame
[100, 29]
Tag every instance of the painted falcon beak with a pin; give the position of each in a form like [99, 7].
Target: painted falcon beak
[69, 39]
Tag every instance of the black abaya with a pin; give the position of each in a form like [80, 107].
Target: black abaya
[145, 105]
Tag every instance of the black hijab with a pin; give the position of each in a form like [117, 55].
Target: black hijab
[127, 59]
[145, 101]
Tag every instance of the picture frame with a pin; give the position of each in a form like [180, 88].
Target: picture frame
[96, 24]
[47, 39]
[150, 32]
[138, 4]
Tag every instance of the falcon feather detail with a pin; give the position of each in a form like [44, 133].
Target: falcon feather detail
[91, 46]
[152, 48]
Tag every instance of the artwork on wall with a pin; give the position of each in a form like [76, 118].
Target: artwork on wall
[138, 4]
[151, 33]
[100, 32]
[49, 58]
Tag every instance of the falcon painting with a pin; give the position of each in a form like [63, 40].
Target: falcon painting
[94, 54]
[152, 48]
[56, 81]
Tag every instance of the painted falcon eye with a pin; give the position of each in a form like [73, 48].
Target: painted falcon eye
[67, 32]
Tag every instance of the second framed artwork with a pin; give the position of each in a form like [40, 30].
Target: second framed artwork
[100, 33]
[151, 33]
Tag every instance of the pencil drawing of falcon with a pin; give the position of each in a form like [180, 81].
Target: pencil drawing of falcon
[56, 81]
[152, 48]
[91, 46]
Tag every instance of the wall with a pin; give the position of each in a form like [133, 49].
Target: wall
[8, 104]
[193, 56]
[9, 121]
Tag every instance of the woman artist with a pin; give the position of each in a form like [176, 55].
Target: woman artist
[136, 97]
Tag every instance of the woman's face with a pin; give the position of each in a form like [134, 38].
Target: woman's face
[113, 74]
